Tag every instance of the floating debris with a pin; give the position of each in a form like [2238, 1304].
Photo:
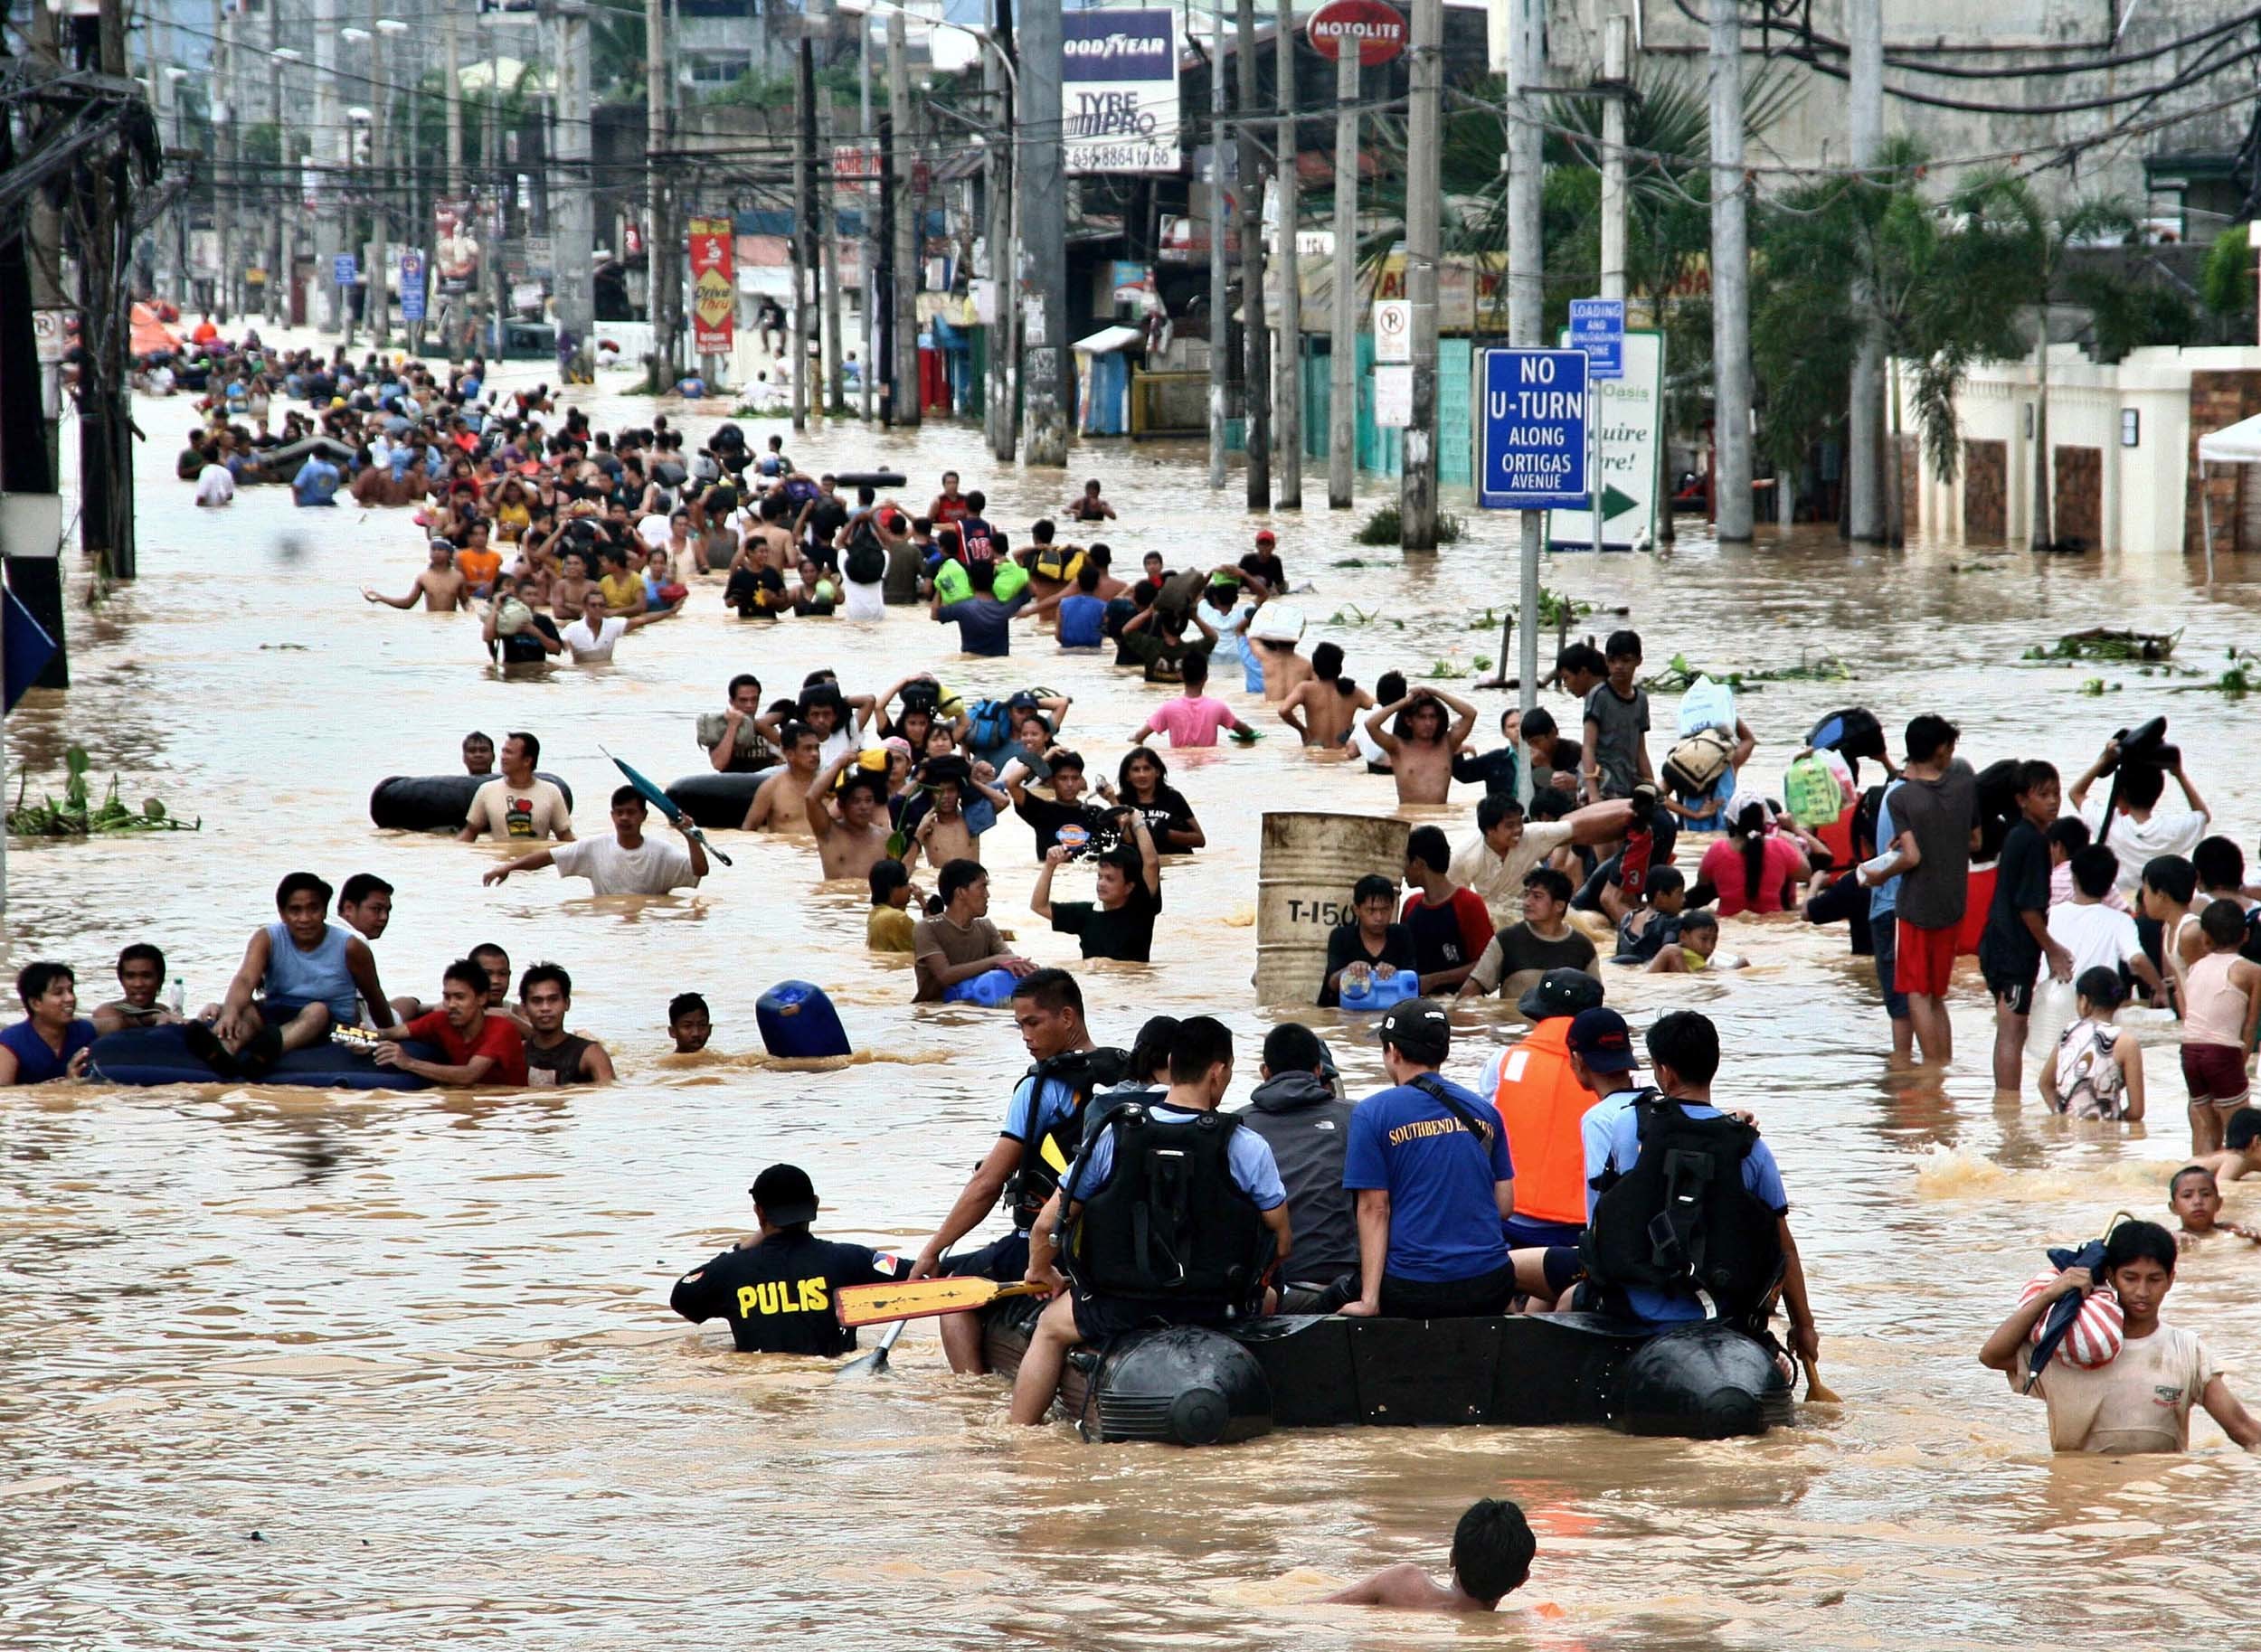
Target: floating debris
[2100, 643]
[74, 816]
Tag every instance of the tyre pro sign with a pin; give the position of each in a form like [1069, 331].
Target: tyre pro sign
[1118, 74]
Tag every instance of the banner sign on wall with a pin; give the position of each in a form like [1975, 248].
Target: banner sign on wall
[1118, 72]
[714, 288]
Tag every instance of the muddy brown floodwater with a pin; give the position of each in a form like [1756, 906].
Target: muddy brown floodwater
[421, 1345]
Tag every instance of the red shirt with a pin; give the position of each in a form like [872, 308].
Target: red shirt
[1469, 910]
[498, 1037]
[947, 508]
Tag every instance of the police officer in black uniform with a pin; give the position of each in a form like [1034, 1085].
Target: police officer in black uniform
[776, 1288]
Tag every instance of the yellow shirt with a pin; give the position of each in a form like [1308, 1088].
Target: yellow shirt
[623, 592]
[888, 929]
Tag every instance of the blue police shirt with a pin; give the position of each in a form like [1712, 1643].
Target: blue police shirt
[1248, 1157]
[1761, 1176]
[1444, 1211]
[1037, 1106]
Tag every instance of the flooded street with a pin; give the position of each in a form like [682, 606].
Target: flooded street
[419, 1345]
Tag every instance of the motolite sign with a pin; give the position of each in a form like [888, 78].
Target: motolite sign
[1118, 72]
[1377, 29]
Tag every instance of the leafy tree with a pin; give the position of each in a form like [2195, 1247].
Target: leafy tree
[2226, 283]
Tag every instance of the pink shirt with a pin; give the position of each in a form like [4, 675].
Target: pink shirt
[1190, 720]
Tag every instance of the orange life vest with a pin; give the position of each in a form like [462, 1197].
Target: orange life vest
[1543, 1105]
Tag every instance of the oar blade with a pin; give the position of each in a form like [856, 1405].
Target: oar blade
[917, 1298]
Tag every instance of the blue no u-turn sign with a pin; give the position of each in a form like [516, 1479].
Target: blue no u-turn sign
[1532, 430]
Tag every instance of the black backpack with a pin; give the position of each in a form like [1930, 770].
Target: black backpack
[866, 561]
[1047, 1154]
[1681, 1220]
[1170, 1225]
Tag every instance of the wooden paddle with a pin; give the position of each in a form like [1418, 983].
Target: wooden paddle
[1816, 1393]
[919, 1298]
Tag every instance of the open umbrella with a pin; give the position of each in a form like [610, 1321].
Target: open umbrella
[667, 806]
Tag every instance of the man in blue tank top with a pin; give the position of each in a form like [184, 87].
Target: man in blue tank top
[306, 972]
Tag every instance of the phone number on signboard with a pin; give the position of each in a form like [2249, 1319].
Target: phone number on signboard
[1123, 158]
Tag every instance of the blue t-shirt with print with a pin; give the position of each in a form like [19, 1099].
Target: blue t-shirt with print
[1444, 1211]
[1761, 1176]
[1247, 1156]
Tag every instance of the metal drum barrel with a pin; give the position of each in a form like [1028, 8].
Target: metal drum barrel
[1303, 881]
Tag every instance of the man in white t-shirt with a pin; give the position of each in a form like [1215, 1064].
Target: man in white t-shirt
[215, 485]
[2099, 937]
[521, 805]
[589, 639]
[652, 529]
[2139, 830]
[628, 862]
[1506, 847]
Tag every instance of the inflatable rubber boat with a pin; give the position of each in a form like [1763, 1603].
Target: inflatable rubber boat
[714, 801]
[441, 802]
[161, 1055]
[1190, 1386]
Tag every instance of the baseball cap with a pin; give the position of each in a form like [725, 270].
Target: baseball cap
[1418, 1027]
[1559, 993]
[1265, 536]
[785, 1194]
[1600, 1038]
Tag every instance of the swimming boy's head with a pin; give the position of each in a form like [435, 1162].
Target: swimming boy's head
[2196, 1197]
[1668, 890]
[1492, 1549]
[1700, 933]
[689, 1022]
[2241, 1132]
[891, 883]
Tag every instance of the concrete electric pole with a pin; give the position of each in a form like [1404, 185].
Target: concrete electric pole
[378, 308]
[1417, 479]
[573, 212]
[1864, 436]
[1526, 294]
[1255, 337]
[1287, 420]
[1220, 292]
[903, 324]
[1730, 282]
[1043, 233]
[1343, 404]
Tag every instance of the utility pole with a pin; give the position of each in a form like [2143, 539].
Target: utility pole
[904, 321]
[804, 216]
[278, 260]
[1730, 282]
[867, 253]
[828, 243]
[379, 307]
[452, 46]
[1288, 400]
[227, 139]
[1863, 431]
[575, 212]
[1220, 292]
[1616, 71]
[1342, 402]
[106, 447]
[996, 176]
[659, 282]
[1417, 479]
[1526, 300]
[333, 154]
[1042, 239]
[1255, 339]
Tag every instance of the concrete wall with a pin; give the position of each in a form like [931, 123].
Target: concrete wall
[2144, 493]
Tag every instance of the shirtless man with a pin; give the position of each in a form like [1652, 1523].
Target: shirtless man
[1422, 746]
[782, 803]
[1492, 1551]
[1284, 669]
[1328, 703]
[571, 589]
[942, 836]
[442, 587]
[851, 844]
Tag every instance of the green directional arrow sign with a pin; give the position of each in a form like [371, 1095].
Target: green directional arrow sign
[1615, 503]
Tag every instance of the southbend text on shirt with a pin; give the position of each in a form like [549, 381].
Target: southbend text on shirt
[784, 1297]
[1419, 1127]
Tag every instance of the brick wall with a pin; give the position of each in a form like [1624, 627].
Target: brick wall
[2079, 503]
[2219, 400]
[1985, 490]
